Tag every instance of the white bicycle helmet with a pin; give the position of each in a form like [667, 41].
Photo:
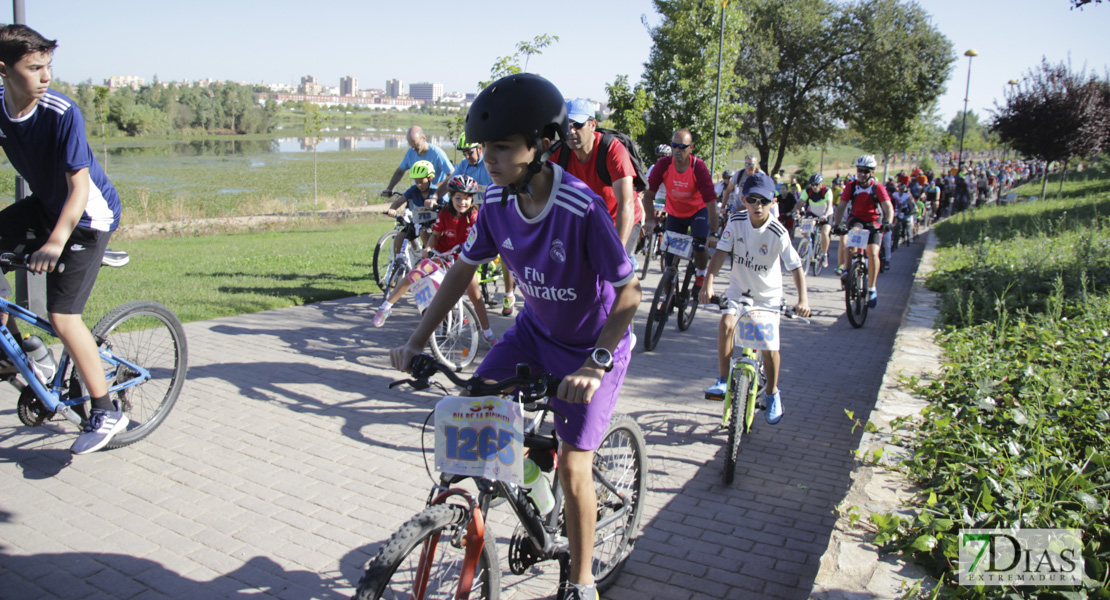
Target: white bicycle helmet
[867, 161]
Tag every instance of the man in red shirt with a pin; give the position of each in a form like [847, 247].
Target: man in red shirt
[871, 208]
[691, 201]
[583, 140]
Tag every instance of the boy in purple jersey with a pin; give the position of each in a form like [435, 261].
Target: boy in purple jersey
[558, 240]
[70, 215]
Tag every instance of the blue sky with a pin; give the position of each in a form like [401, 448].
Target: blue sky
[455, 43]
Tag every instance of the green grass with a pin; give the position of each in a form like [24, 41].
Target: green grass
[224, 275]
[1018, 420]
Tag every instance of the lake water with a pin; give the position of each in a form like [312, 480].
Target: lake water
[329, 142]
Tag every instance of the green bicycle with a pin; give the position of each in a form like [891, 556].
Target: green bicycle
[756, 330]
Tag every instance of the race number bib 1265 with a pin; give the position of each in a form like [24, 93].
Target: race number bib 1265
[678, 244]
[758, 329]
[480, 437]
[857, 238]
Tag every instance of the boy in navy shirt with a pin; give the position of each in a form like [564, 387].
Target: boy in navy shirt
[70, 215]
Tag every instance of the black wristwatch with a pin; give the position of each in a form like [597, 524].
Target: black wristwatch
[603, 358]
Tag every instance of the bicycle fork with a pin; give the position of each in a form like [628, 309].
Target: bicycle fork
[745, 364]
[474, 541]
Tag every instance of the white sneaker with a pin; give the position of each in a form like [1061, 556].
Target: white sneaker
[99, 429]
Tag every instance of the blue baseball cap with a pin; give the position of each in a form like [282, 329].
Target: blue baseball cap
[580, 109]
[759, 184]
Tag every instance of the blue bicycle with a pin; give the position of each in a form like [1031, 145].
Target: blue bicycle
[142, 347]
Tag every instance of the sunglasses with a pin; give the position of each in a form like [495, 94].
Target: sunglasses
[470, 151]
[748, 164]
[753, 200]
[864, 171]
[577, 125]
[680, 146]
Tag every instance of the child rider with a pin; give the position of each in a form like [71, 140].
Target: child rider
[557, 238]
[757, 242]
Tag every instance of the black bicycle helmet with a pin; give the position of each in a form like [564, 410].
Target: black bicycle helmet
[816, 179]
[523, 103]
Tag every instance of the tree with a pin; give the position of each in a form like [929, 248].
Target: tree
[898, 75]
[680, 77]
[100, 105]
[313, 124]
[788, 64]
[629, 107]
[976, 134]
[1055, 114]
[510, 65]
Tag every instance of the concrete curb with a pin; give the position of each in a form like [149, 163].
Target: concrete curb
[852, 567]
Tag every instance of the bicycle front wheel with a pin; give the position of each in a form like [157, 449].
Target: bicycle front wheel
[149, 335]
[819, 253]
[657, 316]
[649, 253]
[741, 395]
[620, 462]
[392, 573]
[804, 250]
[455, 340]
[855, 293]
[383, 257]
[686, 301]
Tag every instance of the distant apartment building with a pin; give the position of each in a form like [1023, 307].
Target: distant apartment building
[131, 81]
[429, 93]
[348, 86]
[394, 88]
[309, 86]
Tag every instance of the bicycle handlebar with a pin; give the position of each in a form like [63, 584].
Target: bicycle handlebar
[11, 260]
[531, 388]
[749, 305]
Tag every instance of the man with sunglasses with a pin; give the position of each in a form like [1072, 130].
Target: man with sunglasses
[732, 192]
[584, 140]
[691, 202]
[420, 149]
[758, 243]
[869, 201]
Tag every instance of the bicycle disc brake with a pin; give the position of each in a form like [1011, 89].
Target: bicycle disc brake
[522, 552]
[32, 412]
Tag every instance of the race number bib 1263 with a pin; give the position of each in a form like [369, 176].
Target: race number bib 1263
[759, 330]
[678, 244]
[857, 238]
[480, 437]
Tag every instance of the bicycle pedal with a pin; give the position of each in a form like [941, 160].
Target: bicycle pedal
[715, 397]
[760, 406]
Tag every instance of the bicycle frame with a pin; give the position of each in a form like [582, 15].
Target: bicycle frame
[51, 396]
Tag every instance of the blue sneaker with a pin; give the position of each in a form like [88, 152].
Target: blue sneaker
[717, 390]
[872, 298]
[774, 408]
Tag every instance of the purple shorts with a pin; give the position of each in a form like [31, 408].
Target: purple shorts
[585, 424]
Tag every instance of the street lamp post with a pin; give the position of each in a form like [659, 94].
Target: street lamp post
[717, 104]
[1013, 83]
[970, 54]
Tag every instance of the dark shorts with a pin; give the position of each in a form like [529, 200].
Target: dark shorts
[875, 235]
[585, 424]
[25, 227]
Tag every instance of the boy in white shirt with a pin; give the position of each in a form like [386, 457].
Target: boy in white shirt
[757, 243]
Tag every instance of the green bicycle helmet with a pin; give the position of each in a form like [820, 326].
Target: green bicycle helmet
[422, 169]
[462, 145]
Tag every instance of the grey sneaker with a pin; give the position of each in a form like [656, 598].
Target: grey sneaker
[99, 430]
[580, 592]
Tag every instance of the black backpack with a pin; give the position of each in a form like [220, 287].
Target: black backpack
[639, 181]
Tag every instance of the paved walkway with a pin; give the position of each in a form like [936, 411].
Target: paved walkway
[287, 461]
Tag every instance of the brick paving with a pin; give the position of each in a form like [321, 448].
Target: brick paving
[288, 460]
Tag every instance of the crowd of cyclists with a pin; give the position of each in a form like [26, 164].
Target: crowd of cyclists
[568, 206]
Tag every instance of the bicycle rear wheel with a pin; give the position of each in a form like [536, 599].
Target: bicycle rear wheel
[855, 293]
[392, 573]
[740, 384]
[455, 340]
[685, 301]
[657, 316]
[620, 461]
[383, 257]
[492, 283]
[149, 335]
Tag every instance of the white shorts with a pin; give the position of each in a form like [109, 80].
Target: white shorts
[733, 293]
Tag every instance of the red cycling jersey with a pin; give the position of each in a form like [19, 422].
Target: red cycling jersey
[865, 200]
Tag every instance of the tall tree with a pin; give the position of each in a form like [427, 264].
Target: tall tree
[1055, 114]
[511, 65]
[680, 76]
[629, 106]
[313, 124]
[100, 104]
[898, 75]
[788, 64]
